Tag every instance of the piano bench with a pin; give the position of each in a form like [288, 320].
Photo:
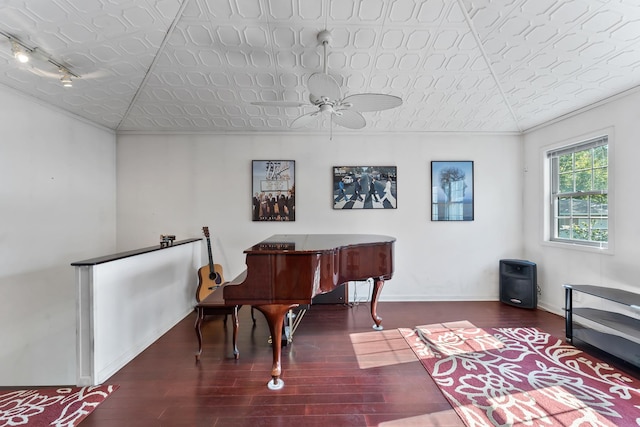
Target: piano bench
[214, 304]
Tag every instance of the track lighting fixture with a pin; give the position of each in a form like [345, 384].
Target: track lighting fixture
[23, 53]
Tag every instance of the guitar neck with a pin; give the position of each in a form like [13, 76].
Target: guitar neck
[210, 255]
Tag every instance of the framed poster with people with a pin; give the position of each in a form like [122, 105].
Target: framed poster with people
[365, 187]
[274, 190]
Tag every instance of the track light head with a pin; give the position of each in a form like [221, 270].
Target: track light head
[19, 52]
[66, 79]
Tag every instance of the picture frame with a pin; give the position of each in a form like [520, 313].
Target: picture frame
[273, 190]
[452, 191]
[365, 187]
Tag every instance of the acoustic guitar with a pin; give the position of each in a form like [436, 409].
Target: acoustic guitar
[210, 275]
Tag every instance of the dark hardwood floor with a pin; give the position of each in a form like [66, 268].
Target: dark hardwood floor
[337, 372]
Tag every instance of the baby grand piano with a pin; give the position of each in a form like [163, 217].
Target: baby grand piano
[287, 270]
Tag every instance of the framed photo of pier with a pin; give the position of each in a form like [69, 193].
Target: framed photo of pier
[365, 187]
[452, 191]
[273, 190]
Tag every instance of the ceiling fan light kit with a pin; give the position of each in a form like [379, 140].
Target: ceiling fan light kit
[326, 96]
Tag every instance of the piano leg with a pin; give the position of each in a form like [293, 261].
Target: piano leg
[274, 313]
[199, 318]
[377, 288]
[236, 324]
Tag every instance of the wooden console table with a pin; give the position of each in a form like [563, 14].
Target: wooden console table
[619, 326]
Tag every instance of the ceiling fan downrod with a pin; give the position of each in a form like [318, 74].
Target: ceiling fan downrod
[325, 39]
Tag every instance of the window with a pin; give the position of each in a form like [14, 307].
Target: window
[579, 193]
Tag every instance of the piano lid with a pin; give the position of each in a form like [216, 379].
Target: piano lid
[313, 243]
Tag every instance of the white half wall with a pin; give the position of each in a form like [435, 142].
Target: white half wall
[176, 184]
[57, 198]
[126, 304]
[560, 265]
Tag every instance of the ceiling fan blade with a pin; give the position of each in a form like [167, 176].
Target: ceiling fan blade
[282, 104]
[323, 85]
[303, 120]
[349, 119]
[364, 102]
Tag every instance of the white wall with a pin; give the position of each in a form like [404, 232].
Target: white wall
[178, 183]
[57, 199]
[560, 265]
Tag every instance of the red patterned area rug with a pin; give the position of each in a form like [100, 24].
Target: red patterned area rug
[57, 407]
[523, 377]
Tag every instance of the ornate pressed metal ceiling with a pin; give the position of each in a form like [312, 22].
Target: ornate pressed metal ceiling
[196, 65]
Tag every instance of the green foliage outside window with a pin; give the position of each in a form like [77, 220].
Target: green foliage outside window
[581, 181]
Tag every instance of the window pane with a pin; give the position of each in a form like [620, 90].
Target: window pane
[600, 179]
[583, 159]
[580, 206]
[583, 180]
[599, 230]
[566, 183]
[598, 205]
[580, 229]
[600, 155]
[566, 163]
[564, 206]
[564, 228]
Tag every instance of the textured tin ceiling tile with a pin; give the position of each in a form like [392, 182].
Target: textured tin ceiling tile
[496, 65]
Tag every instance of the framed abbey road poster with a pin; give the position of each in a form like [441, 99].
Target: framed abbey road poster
[365, 187]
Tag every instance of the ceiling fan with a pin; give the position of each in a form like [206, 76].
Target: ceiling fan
[325, 95]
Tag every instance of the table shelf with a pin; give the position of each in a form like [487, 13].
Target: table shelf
[623, 323]
[619, 334]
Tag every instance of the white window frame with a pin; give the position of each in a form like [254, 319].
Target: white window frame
[549, 217]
